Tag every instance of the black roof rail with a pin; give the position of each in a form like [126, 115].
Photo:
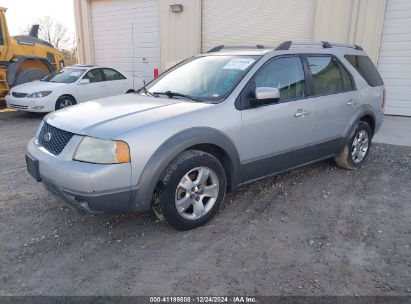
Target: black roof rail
[221, 47]
[286, 45]
[326, 44]
[216, 48]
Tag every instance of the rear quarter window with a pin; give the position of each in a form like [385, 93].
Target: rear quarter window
[366, 68]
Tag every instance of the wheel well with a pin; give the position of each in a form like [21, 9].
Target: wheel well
[370, 121]
[68, 95]
[221, 155]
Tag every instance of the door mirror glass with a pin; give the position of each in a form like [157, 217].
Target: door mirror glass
[267, 93]
[84, 81]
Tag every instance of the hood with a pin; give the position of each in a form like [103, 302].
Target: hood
[110, 117]
[36, 86]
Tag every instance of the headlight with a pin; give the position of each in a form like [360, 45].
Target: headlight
[102, 151]
[36, 137]
[39, 94]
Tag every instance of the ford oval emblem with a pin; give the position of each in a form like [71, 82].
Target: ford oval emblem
[47, 136]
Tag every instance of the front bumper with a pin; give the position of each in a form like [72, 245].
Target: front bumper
[40, 105]
[89, 188]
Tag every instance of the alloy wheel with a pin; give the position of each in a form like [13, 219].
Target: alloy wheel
[196, 193]
[65, 103]
[359, 146]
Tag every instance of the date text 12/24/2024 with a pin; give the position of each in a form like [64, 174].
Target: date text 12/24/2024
[204, 299]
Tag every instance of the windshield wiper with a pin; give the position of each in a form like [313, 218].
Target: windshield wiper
[170, 94]
[147, 92]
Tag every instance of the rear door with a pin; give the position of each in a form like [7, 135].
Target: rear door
[116, 83]
[276, 136]
[95, 89]
[335, 101]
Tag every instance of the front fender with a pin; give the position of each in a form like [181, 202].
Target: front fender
[170, 149]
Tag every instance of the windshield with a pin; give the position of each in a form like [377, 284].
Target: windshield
[206, 78]
[66, 75]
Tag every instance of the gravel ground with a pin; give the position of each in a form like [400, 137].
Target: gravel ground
[319, 230]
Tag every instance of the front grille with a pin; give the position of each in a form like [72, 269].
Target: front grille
[18, 107]
[53, 139]
[19, 95]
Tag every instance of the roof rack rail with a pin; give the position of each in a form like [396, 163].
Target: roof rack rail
[286, 45]
[221, 47]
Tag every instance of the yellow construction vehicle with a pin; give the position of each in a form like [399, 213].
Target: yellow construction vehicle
[24, 58]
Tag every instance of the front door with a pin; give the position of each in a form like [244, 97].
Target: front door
[95, 89]
[276, 136]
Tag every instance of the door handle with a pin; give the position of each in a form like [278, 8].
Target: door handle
[301, 113]
[352, 102]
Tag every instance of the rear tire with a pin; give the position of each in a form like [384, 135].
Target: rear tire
[29, 75]
[357, 147]
[130, 91]
[191, 190]
[64, 102]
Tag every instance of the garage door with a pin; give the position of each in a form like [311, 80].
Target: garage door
[395, 57]
[126, 36]
[256, 22]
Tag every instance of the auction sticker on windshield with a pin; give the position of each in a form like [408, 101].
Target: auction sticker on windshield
[239, 64]
[75, 74]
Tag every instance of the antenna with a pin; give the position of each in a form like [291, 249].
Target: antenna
[132, 45]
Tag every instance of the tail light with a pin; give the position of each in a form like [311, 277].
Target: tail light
[384, 97]
[155, 73]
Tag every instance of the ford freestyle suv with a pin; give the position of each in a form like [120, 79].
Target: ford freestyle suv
[208, 125]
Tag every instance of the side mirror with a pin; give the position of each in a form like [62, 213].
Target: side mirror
[84, 81]
[265, 95]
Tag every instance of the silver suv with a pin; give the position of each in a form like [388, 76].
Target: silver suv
[208, 125]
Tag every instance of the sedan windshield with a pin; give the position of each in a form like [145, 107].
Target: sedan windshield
[206, 78]
[66, 75]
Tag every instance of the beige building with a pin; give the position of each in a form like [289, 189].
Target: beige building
[138, 36]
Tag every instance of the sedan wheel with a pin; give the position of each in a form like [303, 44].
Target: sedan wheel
[64, 102]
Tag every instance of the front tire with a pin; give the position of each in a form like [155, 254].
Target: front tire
[64, 102]
[357, 148]
[191, 190]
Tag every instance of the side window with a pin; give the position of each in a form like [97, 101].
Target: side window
[111, 74]
[51, 58]
[94, 75]
[326, 75]
[285, 74]
[366, 68]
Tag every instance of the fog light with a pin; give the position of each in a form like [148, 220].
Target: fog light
[38, 108]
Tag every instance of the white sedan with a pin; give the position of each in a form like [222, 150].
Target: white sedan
[67, 87]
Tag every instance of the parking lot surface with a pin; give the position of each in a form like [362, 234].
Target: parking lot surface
[318, 230]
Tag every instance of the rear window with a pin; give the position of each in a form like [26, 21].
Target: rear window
[366, 68]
